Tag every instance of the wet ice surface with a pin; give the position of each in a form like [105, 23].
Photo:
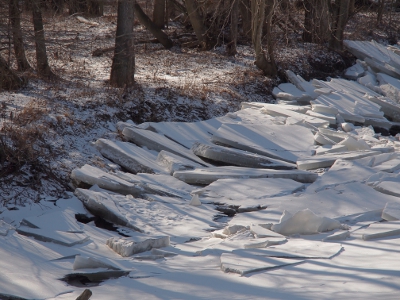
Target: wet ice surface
[320, 221]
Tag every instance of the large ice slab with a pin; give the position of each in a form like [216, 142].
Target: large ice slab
[129, 156]
[177, 220]
[276, 110]
[95, 176]
[129, 247]
[327, 160]
[68, 239]
[245, 263]
[157, 142]
[256, 189]
[187, 133]
[209, 175]
[380, 230]
[390, 86]
[289, 92]
[237, 157]
[279, 142]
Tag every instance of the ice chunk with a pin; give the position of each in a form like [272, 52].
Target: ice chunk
[368, 79]
[239, 157]
[347, 127]
[276, 141]
[68, 239]
[128, 247]
[390, 86]
[324, 116]
[301, 84]
[129, 156]
[82, 262]
[173, 162]
[389, 166]
[323, 140]
[391, 212]
[156, 251]
[95, 176]
[209, 175]
[5, 228]
[289, 92]
[305, 222]
[195, 200]
[354, 145]
[233, 229]
[157, 142]
[246, 263]
[354, 71]
[389, 186]
[380, 230]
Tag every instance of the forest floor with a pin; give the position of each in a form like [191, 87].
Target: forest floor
[48, 127]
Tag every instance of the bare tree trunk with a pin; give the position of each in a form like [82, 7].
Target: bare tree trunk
[352, 7]
[19, 49]
[245, 11]
[340, 14]
[160, 35]
[159, 13]
[316, 21]
[8, 79]
[123, 65]
[43, 67]
[380, 11]
[231, 46]
[258, 9]
[196, 20]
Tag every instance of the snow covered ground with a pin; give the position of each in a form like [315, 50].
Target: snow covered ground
[293, 200]
[298, 207]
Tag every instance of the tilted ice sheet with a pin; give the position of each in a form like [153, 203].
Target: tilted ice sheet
[280, 142]
[151, 217]
[209, 175]
[238, 157]
[242, 189]
[129, 156]
[158, 142]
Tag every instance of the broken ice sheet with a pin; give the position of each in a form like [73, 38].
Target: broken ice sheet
[257, 188]
[58, 220]
[300, 248]
[68, 239]
[129, 156]
[275, 141]
[380, 230]
[5, 228]
[83, 262]
[391, 212]
[173, 162]
[179, 221]
[209, 175]
[304, 222]
[244, 263]
[238, 157]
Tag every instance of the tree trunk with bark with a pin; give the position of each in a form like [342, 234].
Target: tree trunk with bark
[19, 49]
[42, 64]
[380, 11]
[159, 13]
[262, 11]
[340, 14]
[245, 11]
[160, 35]
[316, 21]
[196, 20]
[123, 64]
[8, 79]
[231, 46]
